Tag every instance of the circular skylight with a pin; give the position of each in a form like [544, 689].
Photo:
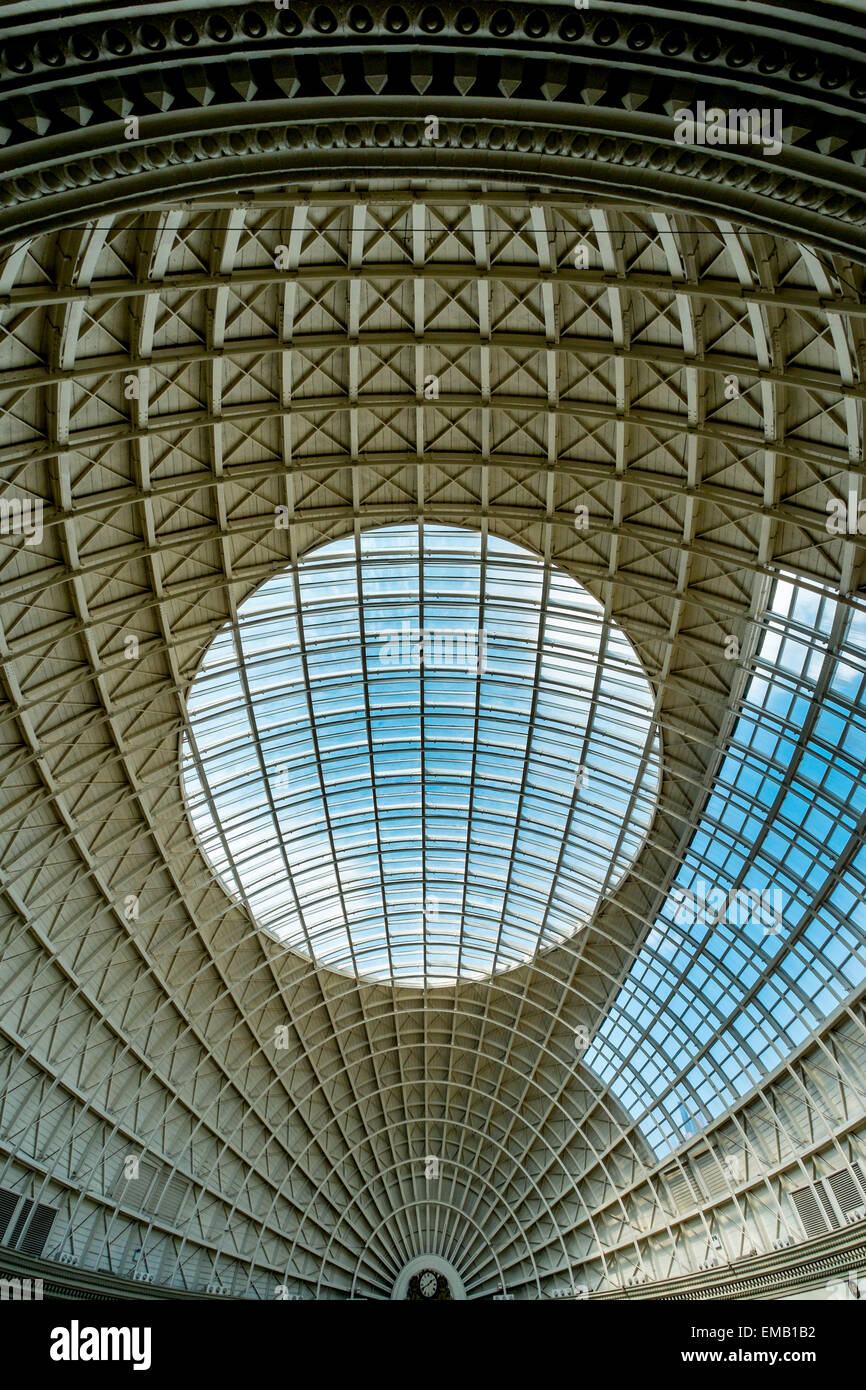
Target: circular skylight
[420, 755]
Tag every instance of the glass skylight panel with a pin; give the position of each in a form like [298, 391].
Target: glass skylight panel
[423, 755]
[764, 829]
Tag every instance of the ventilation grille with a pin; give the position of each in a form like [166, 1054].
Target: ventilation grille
[155, 1192]
[681, 1191]
[826, 1200]
[811, 1214]
[135, 1191]
[827, 1203]
[171, 1199]
[713, 1178]
[37, 1232]
[845, 1189]
[19, 1221]
[38, 1226]
[8, 1203]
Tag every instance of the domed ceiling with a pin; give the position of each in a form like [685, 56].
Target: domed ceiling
[346, 954]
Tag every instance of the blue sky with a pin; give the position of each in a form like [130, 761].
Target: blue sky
[696, 1025]
[349, 796]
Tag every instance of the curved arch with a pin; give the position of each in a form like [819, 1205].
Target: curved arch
[434, 1262]
[309, 103]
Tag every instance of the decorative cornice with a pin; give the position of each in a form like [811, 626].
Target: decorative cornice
[234, 99]
[767, 1275]
[69, 1281]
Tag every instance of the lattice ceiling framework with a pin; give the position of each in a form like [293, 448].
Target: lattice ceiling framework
[260, 389]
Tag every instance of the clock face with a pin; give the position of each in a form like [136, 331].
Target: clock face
[428, 1284]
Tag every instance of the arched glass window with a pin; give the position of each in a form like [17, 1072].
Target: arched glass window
[764, 932]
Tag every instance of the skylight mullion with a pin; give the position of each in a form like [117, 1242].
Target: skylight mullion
[800, 944]
[459, 772]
